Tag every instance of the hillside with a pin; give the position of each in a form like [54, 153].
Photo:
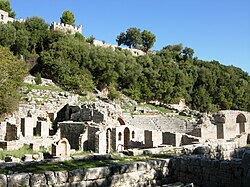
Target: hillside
[168, 75]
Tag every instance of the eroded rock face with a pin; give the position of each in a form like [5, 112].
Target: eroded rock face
[3, 180]
[38, 180]
[19, 179]
[202, 150]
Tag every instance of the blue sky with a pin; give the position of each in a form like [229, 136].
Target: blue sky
[215, 29]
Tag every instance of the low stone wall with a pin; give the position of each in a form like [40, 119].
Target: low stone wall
[200, 171]
[148, 173]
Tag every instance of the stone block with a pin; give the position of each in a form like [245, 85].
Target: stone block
[96, 173]
[113, 180]
[38, 180]
[83, 184]
[61, 177]
[142, 166]
[3, 180]
[76, 175]
[102, 182]
[50, 177]
[128, 168]
[62, 185]
[20, 179]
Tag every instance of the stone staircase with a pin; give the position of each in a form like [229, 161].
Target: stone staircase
[159, 123]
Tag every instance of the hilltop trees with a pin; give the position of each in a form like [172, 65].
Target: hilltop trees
[68, 18]
[5, 5]
[148, 40]
[134, 38]
[168, 75]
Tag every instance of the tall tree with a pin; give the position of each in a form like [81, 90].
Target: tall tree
[8, 34]
[148, 40]
[12, 73]
[38, 29]
[132, 38]
[68, 18]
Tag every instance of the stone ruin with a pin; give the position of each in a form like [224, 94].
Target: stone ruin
[66, 28]
[46, 117]
[102, 127]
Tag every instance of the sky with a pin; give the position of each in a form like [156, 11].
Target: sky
[216, 29]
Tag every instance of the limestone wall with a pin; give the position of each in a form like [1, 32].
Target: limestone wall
[200, 171]
[66, 28]
[4, 17]
[228, 123]
[72, 131]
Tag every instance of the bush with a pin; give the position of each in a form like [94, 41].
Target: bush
[38, 78]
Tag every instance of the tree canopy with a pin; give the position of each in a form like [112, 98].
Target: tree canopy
[12, 73]
[134, 38]
[68, 18]
[168, 75]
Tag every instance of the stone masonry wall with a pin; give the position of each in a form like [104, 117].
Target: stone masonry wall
[200, 171]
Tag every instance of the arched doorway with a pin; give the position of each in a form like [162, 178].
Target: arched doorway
[126, 137]
[63, 148]
[108, 141]
[241, 120]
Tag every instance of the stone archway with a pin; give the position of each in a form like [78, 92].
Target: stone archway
[61, 148]
[241, 120]
[126, 137]
[108, 140]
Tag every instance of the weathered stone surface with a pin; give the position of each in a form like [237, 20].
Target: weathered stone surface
[76, 175]
[61, 176]
[97, 173]
[3, 180]
[50, 177]
[83, 184]
[17, 180]
[38, 180]
[202, 150]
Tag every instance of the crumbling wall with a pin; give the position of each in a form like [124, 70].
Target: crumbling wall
[11, 132]
[72, 131]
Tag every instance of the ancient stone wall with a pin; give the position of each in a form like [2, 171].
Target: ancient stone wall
[66, 28]
[231, 123]
[72, 131]
[4, 17]
[197, 170]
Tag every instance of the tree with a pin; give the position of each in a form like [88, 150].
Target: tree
[38, 30]
[22, 42]
[5, 5]
[187, 52]
[148, 40]
[8, 35]
[68, 18]
[12, 74]
[132, 37]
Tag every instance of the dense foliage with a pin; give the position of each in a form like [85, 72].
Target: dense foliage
[12, 73]
[68, 18]
[167, 75]
[134, 38]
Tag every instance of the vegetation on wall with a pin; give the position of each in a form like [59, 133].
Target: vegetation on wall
[168, 75]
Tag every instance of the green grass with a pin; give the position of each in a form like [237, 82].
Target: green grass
[158, 108]
[16, 153]
[77, 164]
